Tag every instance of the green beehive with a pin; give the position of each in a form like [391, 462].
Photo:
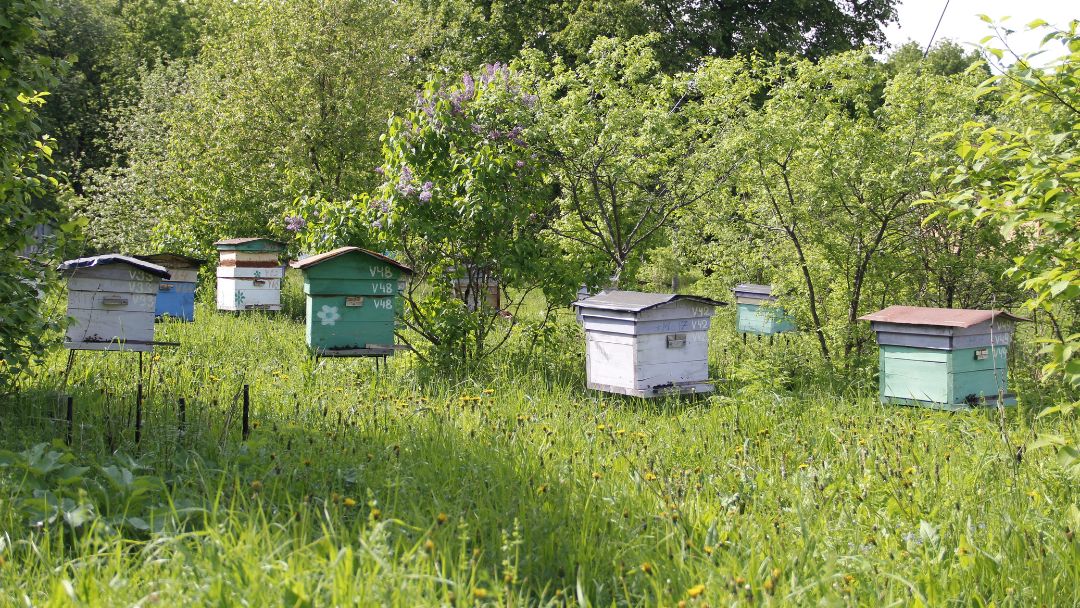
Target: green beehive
[757, 312]
[944, 358]
[352, 297]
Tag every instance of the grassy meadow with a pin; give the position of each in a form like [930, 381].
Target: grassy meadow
[515, 487]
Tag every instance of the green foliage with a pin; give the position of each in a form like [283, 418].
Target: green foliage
[1020, 172]
[685, 32]
[466, 201]
[822, 206]
[26, 181]
[284, 99]
[626, 150]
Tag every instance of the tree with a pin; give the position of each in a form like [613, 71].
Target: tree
[685, 31]
[623, 148]
[284, 99]
[1020, 173]
[26, 179]
[835, 157]
[464, 199]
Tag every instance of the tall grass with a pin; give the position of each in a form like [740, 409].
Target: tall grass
[514, 487]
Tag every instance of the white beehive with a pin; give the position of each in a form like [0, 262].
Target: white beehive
[647, 344]
[249, 274]
[111, 302]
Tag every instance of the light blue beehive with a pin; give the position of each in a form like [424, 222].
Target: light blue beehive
[944, 358]
[757, 313]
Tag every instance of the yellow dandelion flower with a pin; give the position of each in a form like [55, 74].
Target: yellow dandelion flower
[695, 591]
[348, 502]
[489, 391]
[429, 545]
[442, 518]
[650, 476]
[647, 568]
[256, 485]
[376, 514]
[479, 593]
[596, 475]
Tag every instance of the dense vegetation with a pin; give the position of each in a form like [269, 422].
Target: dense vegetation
[646, 145]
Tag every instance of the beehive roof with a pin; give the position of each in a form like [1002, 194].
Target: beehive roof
[764, 290]
[244, 240]
[941, 317]
[175, 259]
[637, 301]
[329, 255]
[113, 258]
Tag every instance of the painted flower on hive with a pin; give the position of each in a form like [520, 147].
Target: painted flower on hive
[329, 315]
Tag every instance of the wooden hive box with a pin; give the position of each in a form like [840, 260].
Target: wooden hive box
[757, 313]
[248, 274]
[111, 302]
[945, 358]
[481, 287]
[647, 344]
[352, 297]
[176, 296]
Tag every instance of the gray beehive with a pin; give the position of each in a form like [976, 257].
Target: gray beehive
[647, 344]
[111, 302]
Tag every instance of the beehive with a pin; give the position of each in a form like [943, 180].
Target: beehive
[249, 274]
[352, 297]
[646, 344]
[943, 358]
[756, 311]
[477, 288]
[176, 296]
[111, 302]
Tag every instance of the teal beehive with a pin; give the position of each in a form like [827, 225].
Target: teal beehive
[756, 311]
[352, 298]
[945, 358]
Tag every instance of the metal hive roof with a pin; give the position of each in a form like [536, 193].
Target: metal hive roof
[940, 317]
[242, 240]
[637, 301]
[329, 255]
[112, 258]
[176, 259]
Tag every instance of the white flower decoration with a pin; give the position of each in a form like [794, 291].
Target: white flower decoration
[329, 315]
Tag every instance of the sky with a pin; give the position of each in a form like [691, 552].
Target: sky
[962, 24]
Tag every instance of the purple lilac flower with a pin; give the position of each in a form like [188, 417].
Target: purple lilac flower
[425, 191]
[520, 164]
[470, 86]
[530, 100]
[295, 223]
[379, 170]
[477, 128]
[376, 224]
